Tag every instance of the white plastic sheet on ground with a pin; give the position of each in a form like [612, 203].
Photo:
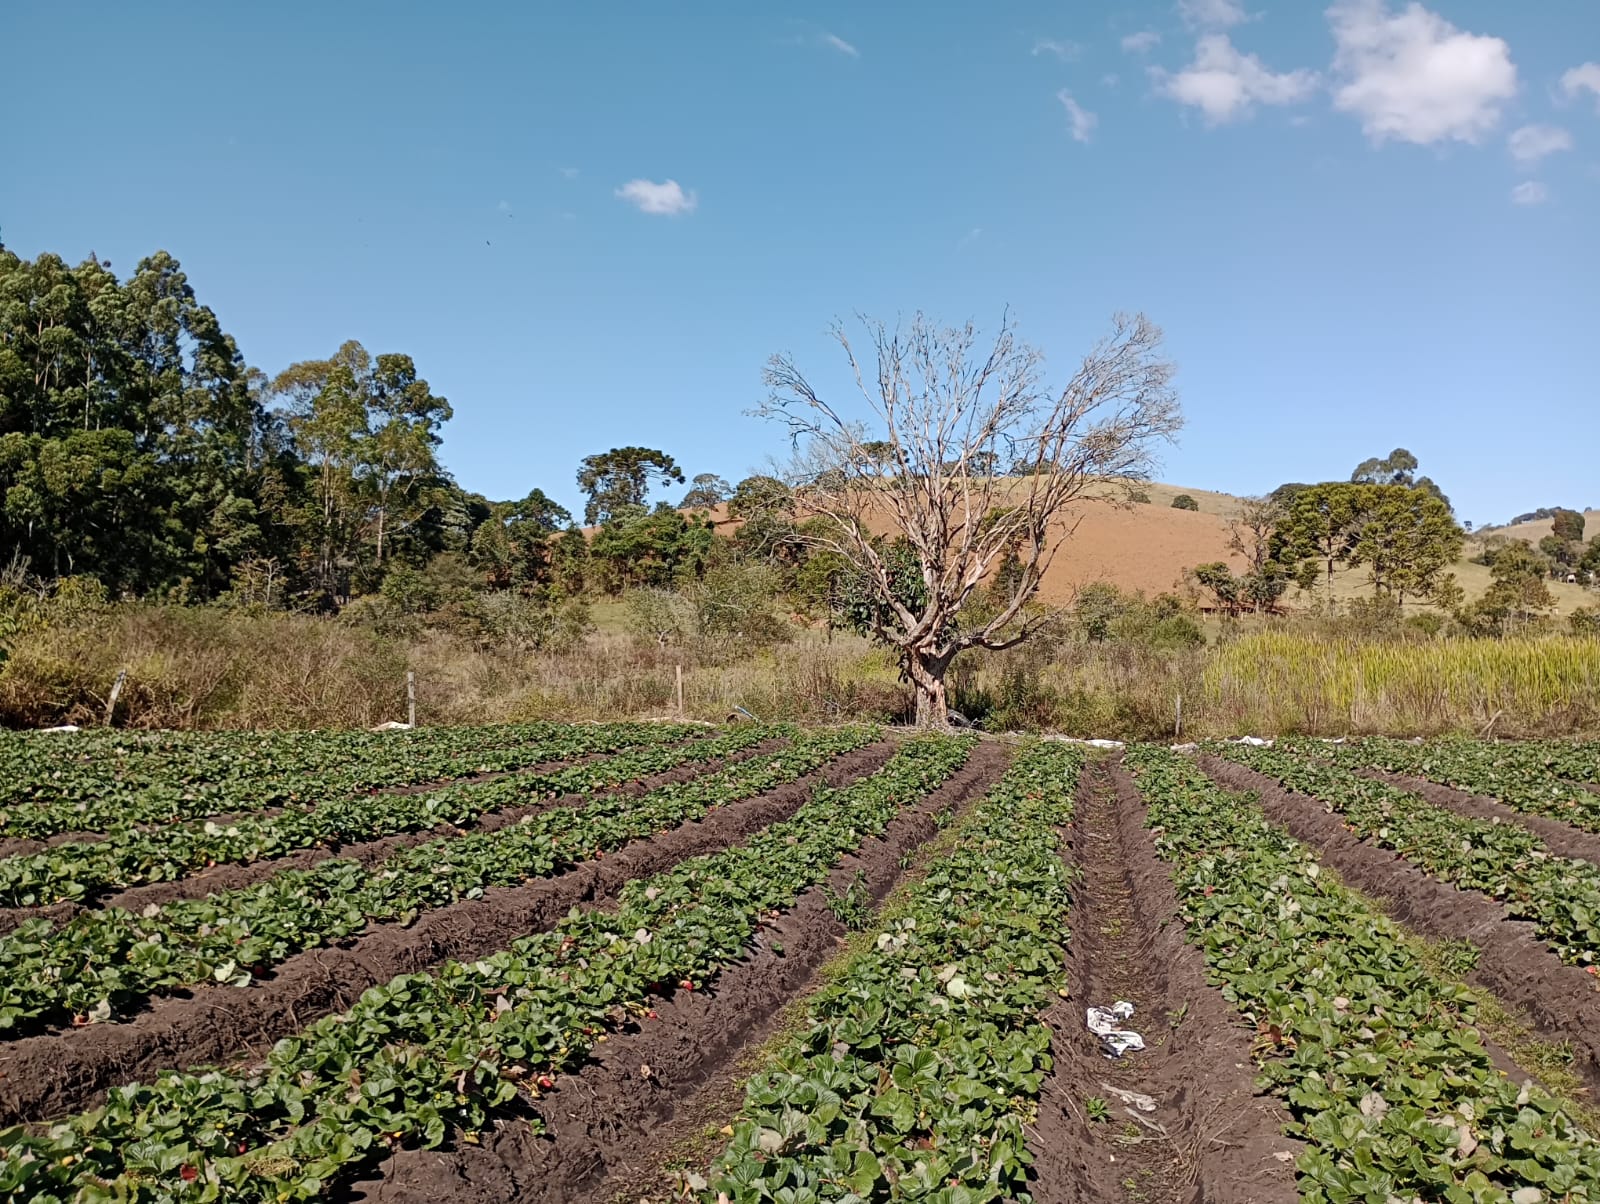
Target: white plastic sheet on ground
[1106, 1023]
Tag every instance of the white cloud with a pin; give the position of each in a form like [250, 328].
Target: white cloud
[1530, 192]
[1582, 79]
[1140, 43]
[1415, 77]
[666, 198]
[1211, 14]
[1083, 121]
[1065, 51]
[570, 173]
[504, 206]
[1533, 142]
[1225, 84]
[1110, 79]
[834, 42]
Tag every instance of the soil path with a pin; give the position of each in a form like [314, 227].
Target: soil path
[654, 1087]
[1210, 1138]
[1513, 964]
[46, 1076]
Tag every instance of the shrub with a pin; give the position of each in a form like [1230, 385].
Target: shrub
[1184, 502]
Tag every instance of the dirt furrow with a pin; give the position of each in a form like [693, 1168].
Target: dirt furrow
[1561, 839]
[656, 1085]
[235, 876]
[67, 1072]
[1513, 963]
[1210, 1138]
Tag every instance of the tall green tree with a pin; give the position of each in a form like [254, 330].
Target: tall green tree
[368, 430]
[1321, 525]
[621, 477]
[132, 389]
[1406, 538]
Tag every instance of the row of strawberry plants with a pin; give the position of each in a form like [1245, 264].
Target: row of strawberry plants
[430, 1051]
[101, 963]
[73, 871]
[1383, 1074]
[1561, 896]
[98, 798]
[924, 1058]
[1520, 775]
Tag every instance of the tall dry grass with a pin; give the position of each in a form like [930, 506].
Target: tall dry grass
[196, 668]
[1283, 681]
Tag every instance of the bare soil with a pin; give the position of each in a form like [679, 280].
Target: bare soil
[1513, 964]
[615, 1124]
[68, 1071]
[1212, 1138]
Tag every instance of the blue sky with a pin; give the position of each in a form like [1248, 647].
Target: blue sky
[1363, 226]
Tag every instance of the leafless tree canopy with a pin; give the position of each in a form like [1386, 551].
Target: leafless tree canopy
[971, 457]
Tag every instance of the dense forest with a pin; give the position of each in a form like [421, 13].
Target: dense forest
[139, 449]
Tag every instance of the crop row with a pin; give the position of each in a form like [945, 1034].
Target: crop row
[431, 1051]
[73, 871]
[1525, 777]
[924, 1057]
[1504, 861]
[1377, 1060]
[99, 963]
[96, 795]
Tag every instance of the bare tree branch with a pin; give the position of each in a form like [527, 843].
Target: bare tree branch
[950, 423]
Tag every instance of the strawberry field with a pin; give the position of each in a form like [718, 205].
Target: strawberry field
[662, 962]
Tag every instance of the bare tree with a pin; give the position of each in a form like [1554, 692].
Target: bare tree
[944, 413]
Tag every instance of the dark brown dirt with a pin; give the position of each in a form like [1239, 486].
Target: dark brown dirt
[653, 1086]
[368, 852]
[1513, 964]
[1561, 839]
[69, 1071]
[1212, 1138]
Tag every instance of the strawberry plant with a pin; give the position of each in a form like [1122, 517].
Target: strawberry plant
[110, 781]
[1526, 777]
[1504, 861]
[74, 871]
[426, 1052]
[98, 964]
[924, 1058]
[1382, 1072]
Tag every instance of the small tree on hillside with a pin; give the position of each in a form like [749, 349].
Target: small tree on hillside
[948, 411]
[1184, 502]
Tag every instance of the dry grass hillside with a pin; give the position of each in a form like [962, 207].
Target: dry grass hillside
[1535, 531]
[1151, 547]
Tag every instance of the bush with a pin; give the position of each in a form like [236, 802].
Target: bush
[1184, 502]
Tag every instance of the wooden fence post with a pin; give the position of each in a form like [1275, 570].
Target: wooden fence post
[680, 692]
[116, 691]
[1177, 728]
[411, 698]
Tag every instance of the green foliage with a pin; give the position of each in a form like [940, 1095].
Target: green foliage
[1506, 862]
[640, 548]
[619, 480]
[923, 1059]
[1184, 502]
[100, 963]
[432, 1051]
[705, 491]
[1567, 525]
[1377, 1060]
[131, 856]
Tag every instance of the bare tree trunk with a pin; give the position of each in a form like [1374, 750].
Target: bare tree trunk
[927, 678]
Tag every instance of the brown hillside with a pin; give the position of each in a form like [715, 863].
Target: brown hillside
[1148, 547]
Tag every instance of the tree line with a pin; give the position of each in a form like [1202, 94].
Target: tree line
[138, 448]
